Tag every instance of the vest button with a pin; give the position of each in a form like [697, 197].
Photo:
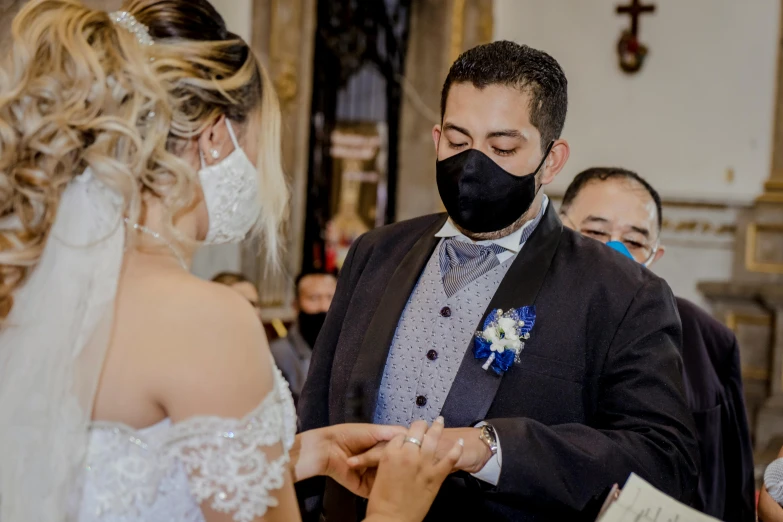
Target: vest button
[432, 355]
[445, 311]
[421, 401]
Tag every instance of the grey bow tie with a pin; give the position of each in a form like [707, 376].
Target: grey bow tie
[462, 262]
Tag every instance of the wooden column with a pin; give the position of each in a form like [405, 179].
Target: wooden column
[773, 188]
[440, 31]
[283, 34]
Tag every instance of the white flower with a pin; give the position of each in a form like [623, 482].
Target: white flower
[511, 336]
[498, 347]
[507, 325]
[504, 336]
[492, 335]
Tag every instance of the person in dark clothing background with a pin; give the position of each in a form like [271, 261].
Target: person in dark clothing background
[292, 353]
[618, 207]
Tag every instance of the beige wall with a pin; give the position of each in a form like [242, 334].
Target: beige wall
[702, 105]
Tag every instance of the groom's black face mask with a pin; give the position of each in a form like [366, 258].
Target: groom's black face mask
[479, 195]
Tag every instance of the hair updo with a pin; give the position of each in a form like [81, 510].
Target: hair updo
[78, 91]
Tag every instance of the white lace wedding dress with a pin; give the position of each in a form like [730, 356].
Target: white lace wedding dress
[162, 473]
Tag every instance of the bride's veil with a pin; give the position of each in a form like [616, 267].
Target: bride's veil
[52, 349]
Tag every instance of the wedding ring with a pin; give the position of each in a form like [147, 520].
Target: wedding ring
[413, 440]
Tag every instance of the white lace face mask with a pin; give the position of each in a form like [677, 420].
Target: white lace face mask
[231, 194]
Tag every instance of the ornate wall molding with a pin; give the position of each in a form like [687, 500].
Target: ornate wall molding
[696, 224]
[763, 247]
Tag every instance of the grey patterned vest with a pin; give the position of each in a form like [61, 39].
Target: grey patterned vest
[430, 342]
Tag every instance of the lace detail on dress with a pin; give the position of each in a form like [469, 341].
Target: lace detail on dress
[166, 471]
[235, 463]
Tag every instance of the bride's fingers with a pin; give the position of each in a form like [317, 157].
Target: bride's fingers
[432, 437]
[416, 431]
[447, 463]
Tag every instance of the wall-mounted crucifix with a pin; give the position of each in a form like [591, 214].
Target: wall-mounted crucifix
[631, 52]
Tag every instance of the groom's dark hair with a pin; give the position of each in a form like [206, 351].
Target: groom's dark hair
[531, 71]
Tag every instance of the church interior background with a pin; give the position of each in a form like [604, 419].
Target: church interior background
[689, 95]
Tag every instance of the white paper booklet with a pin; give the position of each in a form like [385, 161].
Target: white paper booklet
[641, 502]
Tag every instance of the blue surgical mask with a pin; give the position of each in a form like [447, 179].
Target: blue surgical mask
[620, 247]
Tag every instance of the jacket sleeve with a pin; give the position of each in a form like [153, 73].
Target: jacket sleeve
[641, 424]
[738, 452]
[313, 405]
[314, 402]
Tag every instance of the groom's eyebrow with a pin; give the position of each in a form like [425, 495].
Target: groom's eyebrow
[507, 133]
[451, 126]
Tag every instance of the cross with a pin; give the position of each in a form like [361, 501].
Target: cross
[635, 10]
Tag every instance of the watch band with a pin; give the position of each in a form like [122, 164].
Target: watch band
[489, 437]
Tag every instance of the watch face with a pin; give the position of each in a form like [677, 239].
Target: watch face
[488, 436]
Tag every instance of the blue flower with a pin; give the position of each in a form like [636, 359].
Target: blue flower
[503, 337]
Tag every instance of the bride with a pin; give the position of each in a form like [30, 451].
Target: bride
[129, 389]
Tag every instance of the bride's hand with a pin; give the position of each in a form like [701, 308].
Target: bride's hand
[326, 451]
[409, 477]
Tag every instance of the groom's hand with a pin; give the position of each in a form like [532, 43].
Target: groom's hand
[474, 457]
[476, 453]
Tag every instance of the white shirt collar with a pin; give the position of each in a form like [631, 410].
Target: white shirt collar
[509, 242]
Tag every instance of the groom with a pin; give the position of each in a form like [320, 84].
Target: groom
[574, 380]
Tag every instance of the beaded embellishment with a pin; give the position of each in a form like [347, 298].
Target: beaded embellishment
[128, 22]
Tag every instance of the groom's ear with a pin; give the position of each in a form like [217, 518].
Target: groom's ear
[437, 130]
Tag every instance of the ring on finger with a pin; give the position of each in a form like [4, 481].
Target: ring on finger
[413, 440]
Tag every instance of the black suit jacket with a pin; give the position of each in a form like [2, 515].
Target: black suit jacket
[598, 393]
[713, 385]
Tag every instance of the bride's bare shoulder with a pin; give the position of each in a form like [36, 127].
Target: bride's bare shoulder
[217, 359]
[192, 298]
[186, 305]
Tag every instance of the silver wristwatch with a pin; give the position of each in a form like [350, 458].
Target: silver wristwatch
[488, 437]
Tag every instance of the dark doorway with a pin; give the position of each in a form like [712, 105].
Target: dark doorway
[359, 59]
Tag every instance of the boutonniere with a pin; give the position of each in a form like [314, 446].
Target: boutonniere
[503, 337]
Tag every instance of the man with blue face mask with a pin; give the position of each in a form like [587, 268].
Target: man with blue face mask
[555, 362]
[619, 208]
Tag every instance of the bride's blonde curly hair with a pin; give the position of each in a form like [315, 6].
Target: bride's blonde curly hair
[79, 91]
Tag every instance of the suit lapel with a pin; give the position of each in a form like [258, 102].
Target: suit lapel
[474, 389]
[368, 370]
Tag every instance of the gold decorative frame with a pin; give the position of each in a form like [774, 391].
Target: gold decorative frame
[751, 244]
[733, 321]
[755, 373]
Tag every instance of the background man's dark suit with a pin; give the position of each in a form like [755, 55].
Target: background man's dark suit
[598, 392]
[713, 386]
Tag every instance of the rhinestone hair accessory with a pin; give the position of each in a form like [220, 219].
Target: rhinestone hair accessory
[128, 22]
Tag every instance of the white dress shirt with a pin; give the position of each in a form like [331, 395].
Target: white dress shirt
[490, 473]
